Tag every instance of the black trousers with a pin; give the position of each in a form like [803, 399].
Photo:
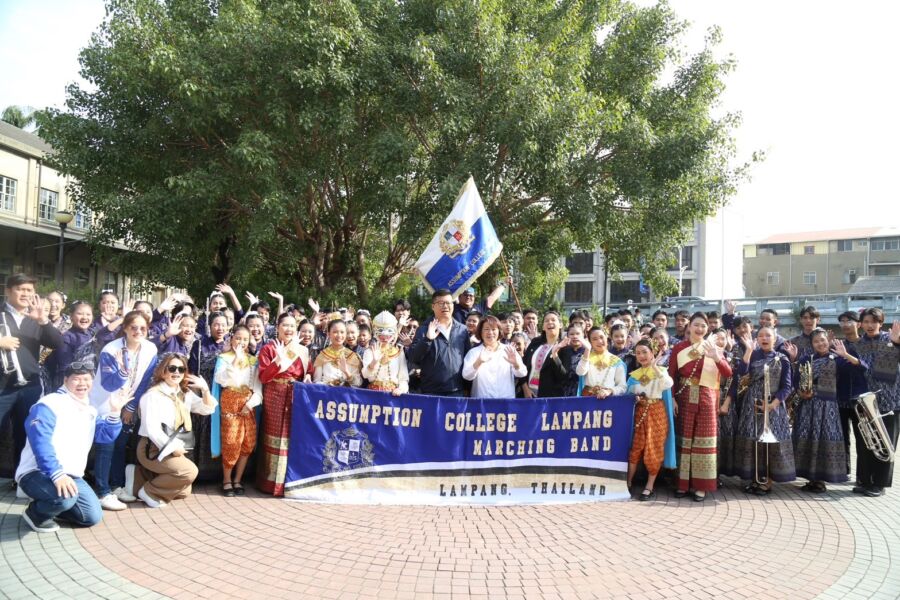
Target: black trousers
[16, 402]
[847, 428]
[869, 470]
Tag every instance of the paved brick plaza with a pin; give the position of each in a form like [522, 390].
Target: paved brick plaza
[788, 545]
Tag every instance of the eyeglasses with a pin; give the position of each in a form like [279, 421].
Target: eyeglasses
[442, 303]
[175, 369]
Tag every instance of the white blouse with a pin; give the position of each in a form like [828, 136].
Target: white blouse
[157, 407]
[612, 377]
[495, 378]
[229, 376]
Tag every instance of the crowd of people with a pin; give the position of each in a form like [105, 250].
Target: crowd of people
[166, 394]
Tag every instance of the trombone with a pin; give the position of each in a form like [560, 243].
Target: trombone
[9, 358]
[765, 436]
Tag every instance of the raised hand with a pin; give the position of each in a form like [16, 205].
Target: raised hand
[197, 382]
[167, 304]
[128, 306]
[895, 332]
[251, 298]
[791, 350]
[432, 332]
[839, 348]
[403, 321]
[225, 289]
[405, 340]
[531, 330]
[119, 399]
[313, 305]
[512, 357]
[36, 308]
[277, 296]
[730, 306]
[174, 327]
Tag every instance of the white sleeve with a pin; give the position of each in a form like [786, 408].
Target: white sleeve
[665, 380]
[403, 373]
[620, 379]
[196, 405]
[519, 370]
[469, 372]
[584, 364]
[256, 398]
[152, 418]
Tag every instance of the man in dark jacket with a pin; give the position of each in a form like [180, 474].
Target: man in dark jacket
[27, 329]
[439, 348]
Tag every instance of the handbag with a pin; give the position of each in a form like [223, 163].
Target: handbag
[186, 437]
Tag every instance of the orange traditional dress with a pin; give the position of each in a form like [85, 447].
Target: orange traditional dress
[328, 371]
[278, 375]
[696, 387]
[236, 387]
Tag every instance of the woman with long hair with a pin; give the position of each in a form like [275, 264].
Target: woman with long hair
[547, 375]
[202, 362]
[126, 364]
[602, 373]
[164, 472]
[695, 366]
[282, 362]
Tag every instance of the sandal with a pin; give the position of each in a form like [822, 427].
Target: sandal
[238, 488]
[228, 491]
[647, 495]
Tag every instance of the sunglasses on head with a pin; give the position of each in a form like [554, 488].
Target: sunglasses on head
[176, 369]
[82, 366]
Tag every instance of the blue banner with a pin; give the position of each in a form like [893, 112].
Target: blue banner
[360, 446]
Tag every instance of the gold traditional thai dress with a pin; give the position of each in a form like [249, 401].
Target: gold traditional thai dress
[391, 373]
[328, 371]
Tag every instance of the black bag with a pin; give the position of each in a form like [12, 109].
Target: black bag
[186, 437]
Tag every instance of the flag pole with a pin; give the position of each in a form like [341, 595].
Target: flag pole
[509, 278]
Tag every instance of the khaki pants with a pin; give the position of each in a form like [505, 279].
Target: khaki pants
[168, 479]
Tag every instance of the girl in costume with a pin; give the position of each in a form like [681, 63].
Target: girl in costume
[654, 423]
[384, 363]
[336, 364]
[602, 372]
[237, 389]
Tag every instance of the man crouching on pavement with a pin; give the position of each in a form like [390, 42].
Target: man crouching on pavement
[61, 428]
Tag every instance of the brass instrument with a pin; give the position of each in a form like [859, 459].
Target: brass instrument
[9, 358]
[805, 373]
[765, 436]
[871, 427]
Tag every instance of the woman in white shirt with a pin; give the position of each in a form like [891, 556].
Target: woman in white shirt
[164, 471]
[492, 367]
[602, 372]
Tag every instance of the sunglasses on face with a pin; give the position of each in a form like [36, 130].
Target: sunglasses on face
[175, 369]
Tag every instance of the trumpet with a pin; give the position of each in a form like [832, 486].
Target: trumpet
[871, 427]
[9, 358]
[765, 436]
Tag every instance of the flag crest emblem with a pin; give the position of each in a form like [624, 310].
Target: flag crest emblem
[456, 238]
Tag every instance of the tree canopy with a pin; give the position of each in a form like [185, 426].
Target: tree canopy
[322, 142]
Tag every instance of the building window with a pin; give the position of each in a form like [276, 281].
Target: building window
[45, 273]
[111, 281]
[83, 218]
[845, 246]
[809, 278]
[850, 276]
[773, 249]
[621, 292]
[886, 244]
[687, 287]
[82, 276]
[580, 263]
[6, 269]
[49, 202]
[885, 271]
[579, 292]
[809, 249]
[7, 194]
[773, 278]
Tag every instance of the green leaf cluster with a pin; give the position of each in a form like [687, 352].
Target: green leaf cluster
[317, 144]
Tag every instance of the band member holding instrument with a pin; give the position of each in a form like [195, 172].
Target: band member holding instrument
[764, 365]
[881, 351]
[817, 435]
[696, 366]
[24, 328]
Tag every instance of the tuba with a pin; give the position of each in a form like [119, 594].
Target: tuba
[871, 427]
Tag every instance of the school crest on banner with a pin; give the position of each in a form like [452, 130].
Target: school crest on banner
[347, 449]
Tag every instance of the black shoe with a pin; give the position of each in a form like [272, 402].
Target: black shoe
[859, 489]
[228, 492]
[679, 493]
[647, 495]
[873, 492]
[238, 489]
[699, 496]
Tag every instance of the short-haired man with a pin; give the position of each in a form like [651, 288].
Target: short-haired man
[439, 348]
[61, 428]
[682, 318]
[29, 328]
[661, 319]
[530, 318]
[801, 344]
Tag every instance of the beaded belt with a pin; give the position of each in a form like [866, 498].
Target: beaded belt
[385, 386]
[649, 401]
[592, 390]
[284, 381]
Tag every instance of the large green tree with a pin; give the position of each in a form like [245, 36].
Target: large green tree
[322, 142]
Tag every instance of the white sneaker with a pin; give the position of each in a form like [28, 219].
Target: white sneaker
[110, 502]
[149, 500]
[123, 496]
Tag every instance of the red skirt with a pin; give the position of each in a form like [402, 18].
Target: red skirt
[278, 399]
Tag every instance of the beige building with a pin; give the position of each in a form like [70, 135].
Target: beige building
[819, 262]
[31, 194]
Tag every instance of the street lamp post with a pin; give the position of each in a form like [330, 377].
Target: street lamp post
[63, 218]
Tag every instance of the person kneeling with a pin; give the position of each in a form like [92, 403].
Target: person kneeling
[164, 472]
[60, 429]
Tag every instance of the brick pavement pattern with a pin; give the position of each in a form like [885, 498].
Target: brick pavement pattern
[787, 545]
